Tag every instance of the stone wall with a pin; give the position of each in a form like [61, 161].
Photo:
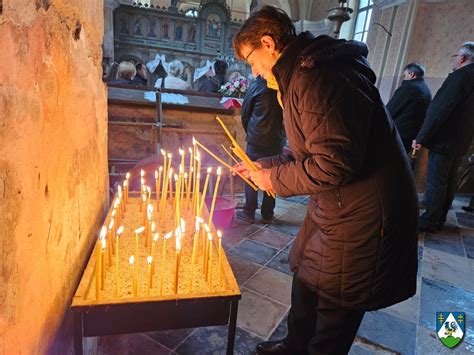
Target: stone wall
[53, 165]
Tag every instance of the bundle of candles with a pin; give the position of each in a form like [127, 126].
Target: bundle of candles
[163, 245]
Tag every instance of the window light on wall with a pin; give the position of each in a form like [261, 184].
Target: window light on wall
[364, 12]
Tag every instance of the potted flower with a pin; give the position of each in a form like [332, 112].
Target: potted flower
[237, 87]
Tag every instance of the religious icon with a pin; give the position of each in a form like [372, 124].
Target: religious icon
[123, 25]
[165, 30]
[213, 25]
[151, 32]
[138, 28]
[178, 33]
[191, 33]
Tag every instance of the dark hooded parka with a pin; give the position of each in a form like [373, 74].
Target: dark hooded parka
[357, 247]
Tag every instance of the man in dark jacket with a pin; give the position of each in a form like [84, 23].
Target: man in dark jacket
[214, 83]
[357, 248]
[409, 103]
[262, 119]
[447, 132]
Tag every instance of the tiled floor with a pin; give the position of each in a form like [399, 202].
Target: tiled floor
[258, 254]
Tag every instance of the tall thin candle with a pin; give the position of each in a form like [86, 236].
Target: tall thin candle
[117, 235]
[163, 257]
[214, 197]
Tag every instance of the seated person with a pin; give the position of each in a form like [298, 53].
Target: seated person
[214, 83]
[126, 73]
[173, 80]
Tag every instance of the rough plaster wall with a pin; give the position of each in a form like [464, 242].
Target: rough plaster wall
[53, 164]
[440, 30]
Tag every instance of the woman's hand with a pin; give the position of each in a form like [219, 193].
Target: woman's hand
[244, 169]
[261, 178]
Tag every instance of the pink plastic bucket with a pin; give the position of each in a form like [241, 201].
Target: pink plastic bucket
[223, 211]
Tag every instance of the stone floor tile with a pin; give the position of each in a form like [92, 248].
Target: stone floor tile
[464, 222]
[447, 247]
[243, 269]
[273, 284]
[170, 338]
[465, 215]
[448, 234]
[408, 310]
[280, 263]
[253, 251]
[271, 238]
[130, 344]
[283, 226]
[213, 340]
[427, 342]
[452, 269]
[389, 331]
[281, 331]
[259, 315]
[468, 240]
[288, 247]
[239, 230]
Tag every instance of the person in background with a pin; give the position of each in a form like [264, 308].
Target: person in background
[409, 103]
[173, 80]
[113, 73]
[214, 83]
[126, 73]
[447, 132]
[142, 74]
[357, 249]
[262, 120]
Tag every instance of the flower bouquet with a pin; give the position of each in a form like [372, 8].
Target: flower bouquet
[237, 87]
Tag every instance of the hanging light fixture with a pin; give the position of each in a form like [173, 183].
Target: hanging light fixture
[339, 15]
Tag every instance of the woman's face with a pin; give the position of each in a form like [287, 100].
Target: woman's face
[261, 59]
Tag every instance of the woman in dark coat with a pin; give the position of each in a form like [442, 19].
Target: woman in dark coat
[357, 248]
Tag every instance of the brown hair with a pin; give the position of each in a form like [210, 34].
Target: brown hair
[268, 21]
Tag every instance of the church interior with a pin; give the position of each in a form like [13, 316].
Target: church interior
[71, 135]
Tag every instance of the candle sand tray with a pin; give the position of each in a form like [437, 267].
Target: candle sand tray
[118, 308]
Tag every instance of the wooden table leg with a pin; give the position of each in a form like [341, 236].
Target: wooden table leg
[232, 326]
[78, 350]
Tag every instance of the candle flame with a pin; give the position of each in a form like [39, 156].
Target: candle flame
[190, 150]
[156, 174]
[207, 228]
[185, 175]
[160, 169]
[104, 243]
[103, 232]
[163, 152]
[200, 220]
[119, 190]
[149, 259]
[209, 170]
[125, 183]
[198, 176]
[178, 243]
[219, 171]
[144, 197]
[131, 260]
[175, 177]
[155, 237]
[181, 169]
[148, 189]
[183, 226]
[142, 172]
[119, 231]
[111, 224]
[116, 203]
[198, 226]
[198, 155]
[139, 230]
[168, 235]
[149, 210]
[181, 151]
[194, 141]
[169, 155]
[114, 212]
[209, 236]
[153, 227]
[127, 176]
[219, 234]
[170, 174]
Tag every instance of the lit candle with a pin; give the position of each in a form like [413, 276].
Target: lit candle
[117, 235]
[113, 215]
[178, 257]
[137, 232]
[134, 276]
[127, 177]
[181, 153]
[163, 153]
[219, 234]
[194, 174]
[110, 238]
[190, 174]
[204, 191]
[213, 205]
[152, 234]
[199, 220]
[158, 185]
[209, 236]
[149, 216]
[104, 246]
[163, 257]
[186, 185]
[125, 193]
[149, 260]
[121, 199]
[98, 263]
[170, 177]
[175, 200]
[153, 246]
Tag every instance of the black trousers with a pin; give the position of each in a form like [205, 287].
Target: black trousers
[314, 328]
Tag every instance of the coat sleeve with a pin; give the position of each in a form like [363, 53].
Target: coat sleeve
[335, 142]
[446, 99]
